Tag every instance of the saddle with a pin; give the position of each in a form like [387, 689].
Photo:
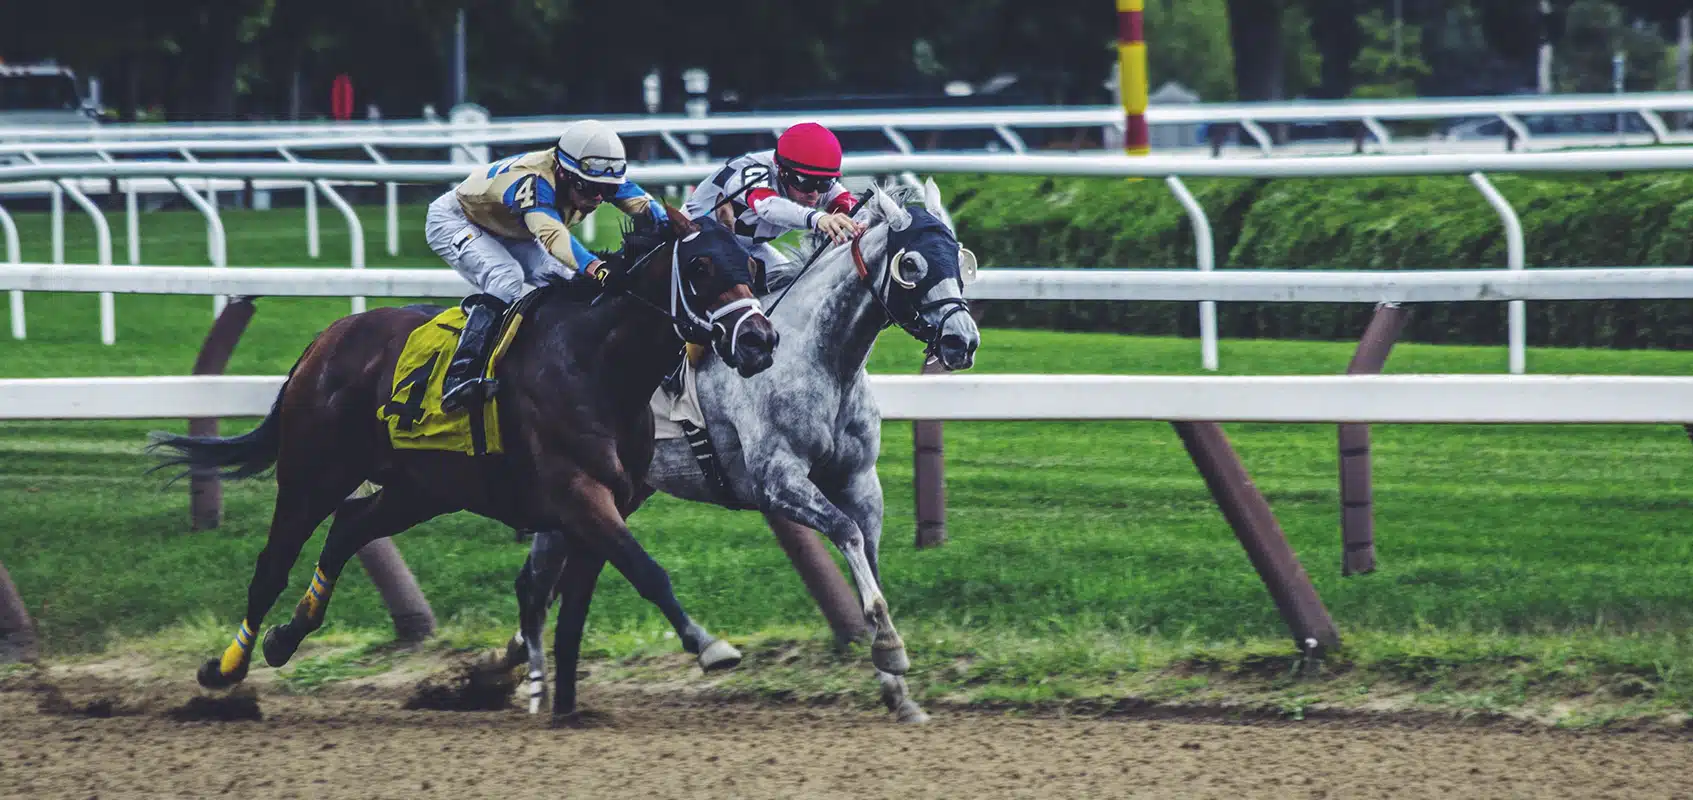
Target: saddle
[413, 411]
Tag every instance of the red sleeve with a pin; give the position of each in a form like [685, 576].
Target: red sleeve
[755, 196]
[844, 203]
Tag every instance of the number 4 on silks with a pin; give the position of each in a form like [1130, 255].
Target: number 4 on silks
[414, 385]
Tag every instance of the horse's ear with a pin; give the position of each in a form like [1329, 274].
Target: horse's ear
[680, 225]
[898, 218]
[932, 202]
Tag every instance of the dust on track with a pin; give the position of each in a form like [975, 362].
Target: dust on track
[110, 737]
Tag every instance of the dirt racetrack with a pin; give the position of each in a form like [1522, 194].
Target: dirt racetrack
[641, 744]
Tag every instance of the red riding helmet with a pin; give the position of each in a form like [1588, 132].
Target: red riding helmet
[809, 149]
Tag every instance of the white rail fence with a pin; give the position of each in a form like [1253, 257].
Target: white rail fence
[1401, 398]
[1171, 168]
[1515, 113]
[1527, 399]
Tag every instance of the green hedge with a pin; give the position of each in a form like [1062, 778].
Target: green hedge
[1642, 219]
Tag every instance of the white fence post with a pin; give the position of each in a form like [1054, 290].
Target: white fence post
[103, 255]
[1516, 314]
[1203, 247]
[14, 254]
[217, 248]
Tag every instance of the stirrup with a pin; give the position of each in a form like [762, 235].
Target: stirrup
[475, 390]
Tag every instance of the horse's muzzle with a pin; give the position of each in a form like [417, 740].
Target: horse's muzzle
[956, 352]
[749, 345]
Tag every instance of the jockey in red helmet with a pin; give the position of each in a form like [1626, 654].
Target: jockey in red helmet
[794, 187]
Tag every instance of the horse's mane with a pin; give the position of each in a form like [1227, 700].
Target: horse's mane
[902, 193]
[642, 233]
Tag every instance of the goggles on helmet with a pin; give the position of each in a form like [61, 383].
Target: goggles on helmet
[595, 166]
[606, 191]
[806, 183]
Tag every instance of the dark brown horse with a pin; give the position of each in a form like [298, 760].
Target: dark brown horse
[576, 430]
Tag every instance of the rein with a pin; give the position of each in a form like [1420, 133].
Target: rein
[690, 327]
[919, 328]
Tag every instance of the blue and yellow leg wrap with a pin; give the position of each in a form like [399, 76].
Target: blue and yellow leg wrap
[236, 654]
[317, 595]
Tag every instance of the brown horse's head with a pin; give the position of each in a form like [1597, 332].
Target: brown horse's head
[705, 274]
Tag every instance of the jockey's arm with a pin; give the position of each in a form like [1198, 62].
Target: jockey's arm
[840, 200]
[631, 199]
[533, 200]
[779, 210]
[551, 232]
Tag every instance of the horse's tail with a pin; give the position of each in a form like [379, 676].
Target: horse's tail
[249, 454]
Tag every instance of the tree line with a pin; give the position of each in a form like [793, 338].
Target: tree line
[209, 59]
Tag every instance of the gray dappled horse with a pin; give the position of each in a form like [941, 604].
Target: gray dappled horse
[801, 439]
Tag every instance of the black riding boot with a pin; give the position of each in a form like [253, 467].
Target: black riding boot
[464, 384]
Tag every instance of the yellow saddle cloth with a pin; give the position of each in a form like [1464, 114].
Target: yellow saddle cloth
[413, 411]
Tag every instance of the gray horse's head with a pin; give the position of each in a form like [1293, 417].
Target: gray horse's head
[924, 270]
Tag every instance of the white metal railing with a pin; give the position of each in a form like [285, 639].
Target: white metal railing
[1001, 121]
[995, 283]
[1170, 168]
[1537, 399]
[1342, 398]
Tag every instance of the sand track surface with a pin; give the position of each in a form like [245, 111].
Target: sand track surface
[100, 738]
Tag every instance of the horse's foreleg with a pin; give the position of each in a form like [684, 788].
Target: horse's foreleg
[358, 522]
[598, 521]
[862, 501]
[535, 584]
[576, 590]
[297, 514]
[791, 493]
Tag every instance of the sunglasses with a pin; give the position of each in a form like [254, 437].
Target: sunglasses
[605, 191]
[807, 183]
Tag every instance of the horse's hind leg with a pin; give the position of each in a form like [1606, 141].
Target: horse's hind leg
[576, 590]
[535, 583]
[358, 522]
[301, 506]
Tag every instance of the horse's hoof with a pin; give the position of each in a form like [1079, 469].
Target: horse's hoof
[719, 655]
[277, 647]
[211, 675]
[891, 660]
[568, 719]
[911, 714]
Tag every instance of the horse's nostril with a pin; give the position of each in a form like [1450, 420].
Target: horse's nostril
[953, 341]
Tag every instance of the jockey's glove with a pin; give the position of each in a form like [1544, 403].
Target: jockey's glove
[609, 277]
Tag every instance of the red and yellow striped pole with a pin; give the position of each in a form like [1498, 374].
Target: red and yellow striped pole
[1131, 75]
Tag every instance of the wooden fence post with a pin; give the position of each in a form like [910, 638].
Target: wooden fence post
[205, 491]
[17, 631]
[407, 607]
[928, 472]
[822, 578]
[1357, 522]
[413, 620]
[1256, 528]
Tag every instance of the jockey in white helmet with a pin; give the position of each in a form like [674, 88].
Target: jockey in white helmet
[793, 187]
[509, 224]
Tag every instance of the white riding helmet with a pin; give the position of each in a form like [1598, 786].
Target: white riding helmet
[592, 151]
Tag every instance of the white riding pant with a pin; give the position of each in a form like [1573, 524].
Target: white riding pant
[494, 264]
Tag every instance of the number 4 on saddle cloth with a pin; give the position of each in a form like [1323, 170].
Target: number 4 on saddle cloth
[413, 411]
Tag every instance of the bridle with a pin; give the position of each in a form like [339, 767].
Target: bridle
[881, 287]
[689, 324]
